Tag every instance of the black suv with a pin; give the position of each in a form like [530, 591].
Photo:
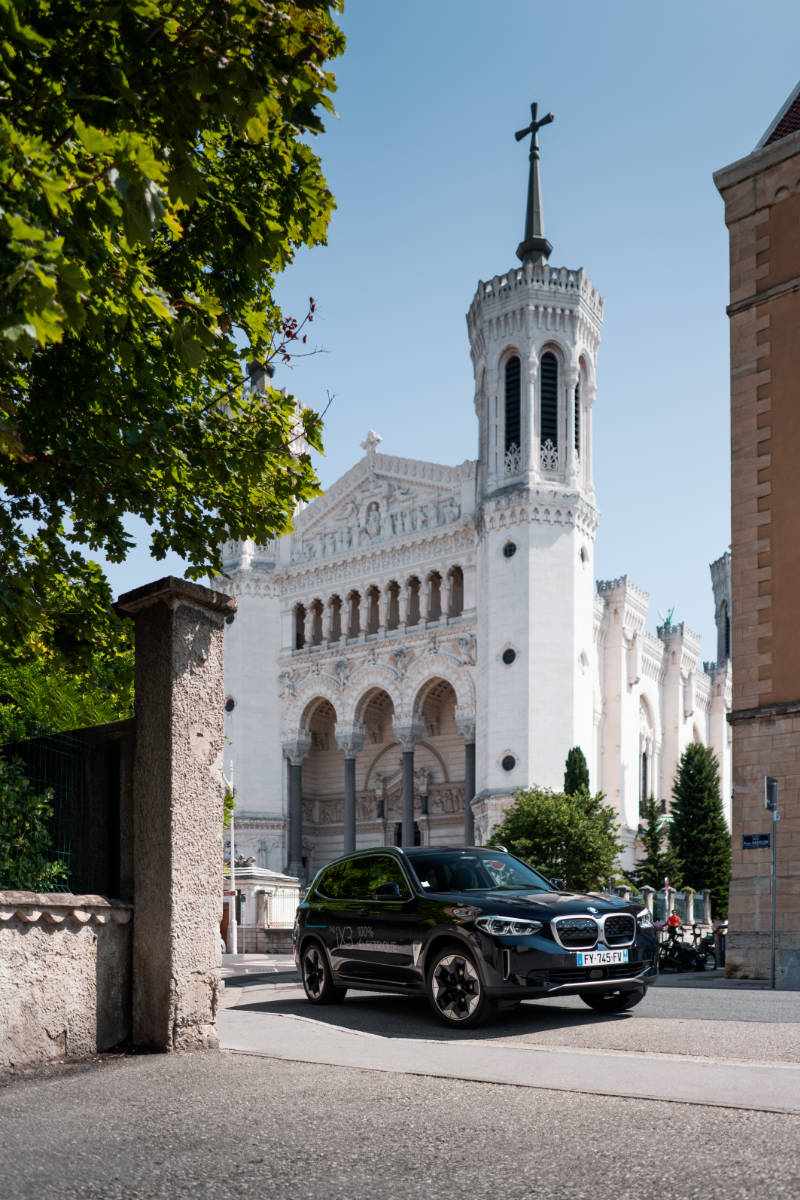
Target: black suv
[472, 928]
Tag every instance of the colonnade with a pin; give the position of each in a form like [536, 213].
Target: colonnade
[375, 609]
[351, 742]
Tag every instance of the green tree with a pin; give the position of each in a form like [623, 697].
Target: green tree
[576, 772]
[574, 838]
[72, 667]
[698, 831]
[155, 175]
[660, 860]
[26, 857]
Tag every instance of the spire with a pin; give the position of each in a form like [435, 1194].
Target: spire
[534, 247]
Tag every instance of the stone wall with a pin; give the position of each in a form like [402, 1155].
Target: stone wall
[65, 976]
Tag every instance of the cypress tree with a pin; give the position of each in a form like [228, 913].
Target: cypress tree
[698, 831]
[576, 772]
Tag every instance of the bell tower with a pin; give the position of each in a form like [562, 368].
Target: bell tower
[534, 335]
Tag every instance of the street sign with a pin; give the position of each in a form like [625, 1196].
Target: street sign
[755, 841]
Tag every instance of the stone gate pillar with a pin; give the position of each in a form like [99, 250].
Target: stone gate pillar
[177, 811]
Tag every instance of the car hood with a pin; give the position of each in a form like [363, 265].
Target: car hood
[542, 905]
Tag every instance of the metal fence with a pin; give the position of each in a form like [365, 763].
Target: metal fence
[86, 772]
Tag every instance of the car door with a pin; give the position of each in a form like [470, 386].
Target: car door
[388, 931]
[336, 910]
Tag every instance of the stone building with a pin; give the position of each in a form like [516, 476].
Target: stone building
[431, 637]
[762, 212]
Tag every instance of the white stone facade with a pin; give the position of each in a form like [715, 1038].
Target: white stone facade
[430, 634]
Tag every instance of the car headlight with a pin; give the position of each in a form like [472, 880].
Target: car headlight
[508, 926]
[644, 920]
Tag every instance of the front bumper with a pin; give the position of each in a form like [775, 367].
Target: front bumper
[520, 971]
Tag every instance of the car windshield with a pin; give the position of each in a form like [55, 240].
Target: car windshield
[475, 871]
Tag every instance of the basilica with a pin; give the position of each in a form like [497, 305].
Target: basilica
[430, 638]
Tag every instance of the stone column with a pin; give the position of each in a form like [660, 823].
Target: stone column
[466, 727]
[404, 600]
[350, 741]
[177, 811]
[647, 896]
[425, 592]
[571, 377]
[327, 621]
[383, 608]
[408, 735]
[447, 595]
[707, 906]
[530, 426]
[363, 613]
[295, 751]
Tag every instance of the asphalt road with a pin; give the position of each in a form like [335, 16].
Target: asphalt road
[242, 1125]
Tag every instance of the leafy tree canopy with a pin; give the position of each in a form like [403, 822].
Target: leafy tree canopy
[660, 860]
[576, 772]
[698, 831]
[574, 838]
[153, 181]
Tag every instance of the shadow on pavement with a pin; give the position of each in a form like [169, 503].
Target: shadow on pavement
[410, 1017]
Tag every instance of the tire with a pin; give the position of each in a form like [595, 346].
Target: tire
[455, 989]
[710, 961]
[316, 974]
[612, 1002]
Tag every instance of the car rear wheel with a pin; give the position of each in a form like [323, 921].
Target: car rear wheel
[612, 1002]
[317, 980]
[455, 991]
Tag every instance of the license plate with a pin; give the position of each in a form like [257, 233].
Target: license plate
[601, 958]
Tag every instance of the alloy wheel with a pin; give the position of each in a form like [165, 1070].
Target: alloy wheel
[456, 987]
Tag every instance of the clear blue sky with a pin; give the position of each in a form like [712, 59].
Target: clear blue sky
[430, 185]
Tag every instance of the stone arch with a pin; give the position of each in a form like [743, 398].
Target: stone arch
[438, 665]
[369, 677]
[295, 714]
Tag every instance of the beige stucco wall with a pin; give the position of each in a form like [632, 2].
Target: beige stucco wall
[64, 976]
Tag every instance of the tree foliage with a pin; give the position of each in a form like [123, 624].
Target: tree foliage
[73, 664]
[576, 772]
[660, 861]
[698, 830]
[574, 838]
[154, 178]
[27, 862]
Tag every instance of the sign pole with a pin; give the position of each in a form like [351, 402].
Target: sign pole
[771, 804]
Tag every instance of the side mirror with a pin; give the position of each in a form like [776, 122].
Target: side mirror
[558, 885]
[387, 891]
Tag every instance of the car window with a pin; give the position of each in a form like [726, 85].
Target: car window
[379, 869]
[475, 871]
[357, 878]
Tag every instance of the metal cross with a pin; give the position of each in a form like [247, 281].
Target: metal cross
[533, 129]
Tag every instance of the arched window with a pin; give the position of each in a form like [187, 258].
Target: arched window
[299, 626]
[548, 410]
[353, 614]
[413, 601]
[316, 624]
[336, 618]
[393, 614]
[513, 435]
[456, 592]
[434, 596]
[373, 617]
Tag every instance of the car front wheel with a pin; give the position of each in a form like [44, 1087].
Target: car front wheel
[455, 991]
[612, 1002]
[317, 980]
